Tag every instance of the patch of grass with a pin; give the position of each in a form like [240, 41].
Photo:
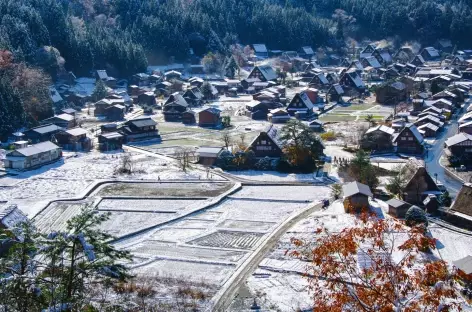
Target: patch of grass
[333, 117]
[168, 128]
[329, 136]
[357, 107]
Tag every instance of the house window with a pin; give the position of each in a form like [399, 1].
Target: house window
[410, 139]
[263, 142]
[263, 148]
[403, 138]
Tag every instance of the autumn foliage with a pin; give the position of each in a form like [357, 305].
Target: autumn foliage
[377, 265]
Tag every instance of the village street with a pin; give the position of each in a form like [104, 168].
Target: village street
[435, 153]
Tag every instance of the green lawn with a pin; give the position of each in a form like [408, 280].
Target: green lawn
[168, 128]
[333, 117]
[356, 107]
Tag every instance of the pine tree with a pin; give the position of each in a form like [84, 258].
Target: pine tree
[207, 90]
[19, 267]
[78, 259]
[100, 90]
[231, 67]
[435, 88]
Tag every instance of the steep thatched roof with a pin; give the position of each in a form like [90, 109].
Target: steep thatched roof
[463, 202]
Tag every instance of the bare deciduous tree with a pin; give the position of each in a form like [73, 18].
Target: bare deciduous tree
[184, 156]
[226, 138]
[126, 165]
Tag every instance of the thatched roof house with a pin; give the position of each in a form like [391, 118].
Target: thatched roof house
[419, 184]
[460, 212]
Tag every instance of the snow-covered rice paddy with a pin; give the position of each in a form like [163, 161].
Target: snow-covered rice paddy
[304, 193]
[156, 205]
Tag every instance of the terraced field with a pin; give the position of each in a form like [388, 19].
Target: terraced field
[55, 217]
[227, 239]
[150, 248]
[165, 189]
[169, 205]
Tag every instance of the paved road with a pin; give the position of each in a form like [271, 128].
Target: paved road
[435, 152]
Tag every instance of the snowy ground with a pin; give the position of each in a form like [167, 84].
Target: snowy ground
[278, 284]
[300, 193]
[203, 247]
[71, 176]
[273, 176]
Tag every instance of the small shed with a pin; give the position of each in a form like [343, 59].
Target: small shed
[116, 112]
[316, 125]
[209, 117]
[356, 196]
[464, 266]
[188, 117]
[110, 141]
[11, 217]
[397, 207]
[431, 204]
[278, 115]
[207, 156]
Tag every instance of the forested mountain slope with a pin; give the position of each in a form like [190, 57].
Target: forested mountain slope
[123, 36]
[121, 33]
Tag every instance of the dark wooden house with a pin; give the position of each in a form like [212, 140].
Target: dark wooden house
[278, 115]
[65, 121]
[141, 128]
[115, 112]
[419, 187]
[42, 133]
[300, 103]
[110, 141]
[378, 139]
[418, 61]
[460, 146]
[174, 107]
[267, 144]
[430, 54]
[383, 56]
[367, 51]
[147, 99]
[74, 140]
[335, 93]
[319, 81]
[193, 96]
[351, 81]
[409, 140]
[460, 212]
[264, 73]
[391, 93]
[188, 117]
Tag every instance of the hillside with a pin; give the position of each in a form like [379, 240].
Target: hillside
[40, 39]
[124, 34]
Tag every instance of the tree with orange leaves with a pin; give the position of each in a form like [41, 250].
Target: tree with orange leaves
[377, 265]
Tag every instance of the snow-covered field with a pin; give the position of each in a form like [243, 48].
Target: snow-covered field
[194, 271]
[156, 205]
[73, 174]
[303, 193]
[217, 239]
[273, 176]
[278, 283]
